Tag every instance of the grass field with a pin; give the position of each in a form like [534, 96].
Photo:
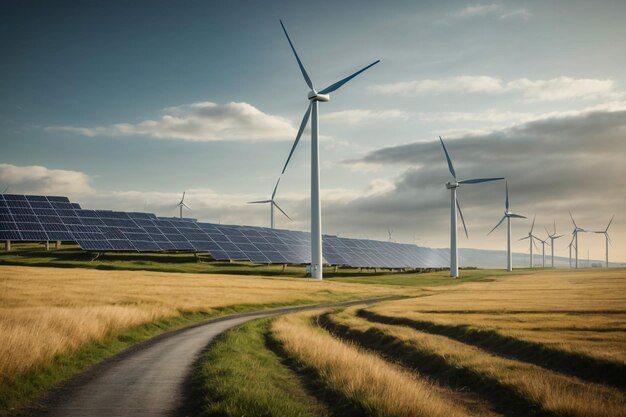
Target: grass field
[57, 321]
[546, 343]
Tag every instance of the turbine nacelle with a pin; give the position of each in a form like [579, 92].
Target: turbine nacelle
[318, 97]
[451, 185]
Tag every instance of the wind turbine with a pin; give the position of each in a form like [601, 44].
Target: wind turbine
[575, 233]
[314, 98]
[454, 206]
[390, 232]
[553, 236]
[607, 239]
[570, 245]
[272, 204]
[543, 250]
[507, 215]
[531, 241]
[182, 204]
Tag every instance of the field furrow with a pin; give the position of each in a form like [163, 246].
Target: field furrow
[525, 388]
[378, 387]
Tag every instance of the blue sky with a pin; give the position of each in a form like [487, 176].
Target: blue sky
[126, 105]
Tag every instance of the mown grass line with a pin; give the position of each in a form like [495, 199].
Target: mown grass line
[24, 393]
[504, 399]
[239, 375]
[570, 363]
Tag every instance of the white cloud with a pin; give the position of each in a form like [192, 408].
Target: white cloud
[356, 116]
[560, 88]
[36, 179]
[203, 121]
[522, 14]
[488, 116]
[463, 84]
[482, 10]
[476, 10]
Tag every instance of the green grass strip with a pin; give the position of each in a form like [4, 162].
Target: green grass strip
[241, 376]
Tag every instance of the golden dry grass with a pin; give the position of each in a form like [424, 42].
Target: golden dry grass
[558, 393]
[578, 311]
[48, 311]
[382, 388]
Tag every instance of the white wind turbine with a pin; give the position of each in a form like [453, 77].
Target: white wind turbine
[314, 98]
[272, 204]
[543, 251]
[454, 206]
[532, 240]
[575, 233]
[553, 236]
[607, 239]
[507, 215]
[182, 204]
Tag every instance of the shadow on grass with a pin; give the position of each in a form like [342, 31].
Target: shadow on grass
[570, 363]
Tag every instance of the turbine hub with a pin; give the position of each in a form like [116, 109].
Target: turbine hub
[451, 185]
[318, 97]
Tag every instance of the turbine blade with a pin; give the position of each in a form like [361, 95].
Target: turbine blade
[534, 243]
[479, 180]
[185, 205]
[506, 204]
[533, 226]
[555, 227]
[556, 237]
[609, 225]
[5, 190]
[549, 235]
[450, 167]
[259, 202]
[275, 188]
[339, 83]
[462, 219]
[282, 211]
[573, 221]
[496, 226]
[305, 120]
[524, 238]
[517, 216]
[304, 74]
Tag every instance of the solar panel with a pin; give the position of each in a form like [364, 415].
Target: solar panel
[41, 218]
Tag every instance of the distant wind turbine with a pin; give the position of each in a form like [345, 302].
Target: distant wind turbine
[531, 238]
[454, 206]
[182, 204]
[272, 204]
[543, 251]
[607, 239]
[314, 98]
[553, 236]
[575, 233]
[570, 246]
[390, 232]
[507, 215]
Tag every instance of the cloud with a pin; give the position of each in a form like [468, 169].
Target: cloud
[476, 10]
[41, 180]
[356, 116]
[482, 10]
[203, 121]
[522, 14]
[559, 88]
[572, 162]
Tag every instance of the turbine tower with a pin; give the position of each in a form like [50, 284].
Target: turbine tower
[570, 245]
[314, 98]
[454, 206]
[531, 241]
[553, 236]
[575, 233]
[607, 239]
[182, 204]
[507, 215]
[272, 204]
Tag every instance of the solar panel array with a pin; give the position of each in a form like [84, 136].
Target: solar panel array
[47, 218]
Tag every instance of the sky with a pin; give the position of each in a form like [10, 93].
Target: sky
[125, 105]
